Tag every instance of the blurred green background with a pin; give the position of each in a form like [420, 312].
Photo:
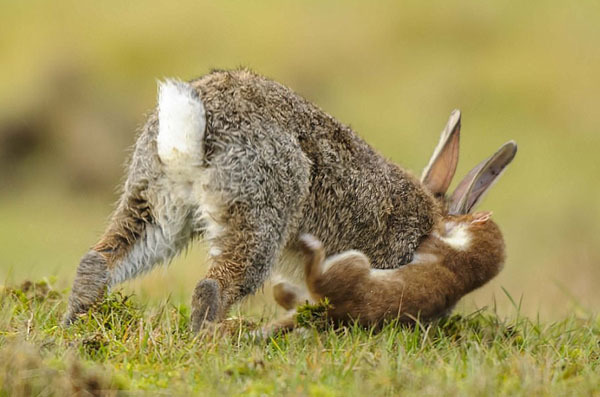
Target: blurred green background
[76, 78]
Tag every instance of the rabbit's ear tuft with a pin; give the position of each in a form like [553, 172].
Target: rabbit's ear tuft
[478, 181]
[441, 168]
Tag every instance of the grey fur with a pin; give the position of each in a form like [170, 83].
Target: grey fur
[206, 302]
[274, 167]
[90, 284]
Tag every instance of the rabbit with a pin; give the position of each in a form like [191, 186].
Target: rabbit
[247, 165]
[463, 252]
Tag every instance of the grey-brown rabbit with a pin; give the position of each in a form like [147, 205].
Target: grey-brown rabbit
[463, 252]
[248, 165]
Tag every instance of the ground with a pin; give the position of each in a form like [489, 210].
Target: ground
[124, 346]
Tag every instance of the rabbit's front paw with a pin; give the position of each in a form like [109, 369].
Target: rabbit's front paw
[205, 304]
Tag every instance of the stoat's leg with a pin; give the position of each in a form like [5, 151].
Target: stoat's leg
[288, 295]
[285, 324]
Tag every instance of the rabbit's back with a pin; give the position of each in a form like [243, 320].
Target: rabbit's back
[353, 197]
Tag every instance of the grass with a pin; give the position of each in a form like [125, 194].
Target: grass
[124, 347]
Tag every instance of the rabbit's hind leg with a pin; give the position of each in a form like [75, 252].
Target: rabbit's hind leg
[251, 203]
[241, 259]
[141, 234]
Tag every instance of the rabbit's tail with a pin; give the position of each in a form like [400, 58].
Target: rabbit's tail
[181, 125]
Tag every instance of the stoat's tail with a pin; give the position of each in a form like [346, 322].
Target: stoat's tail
[181, 125]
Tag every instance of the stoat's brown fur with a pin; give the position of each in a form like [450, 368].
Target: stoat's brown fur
[442, 273]
[462, 254]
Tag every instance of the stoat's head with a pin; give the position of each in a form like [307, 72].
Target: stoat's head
[457, 230]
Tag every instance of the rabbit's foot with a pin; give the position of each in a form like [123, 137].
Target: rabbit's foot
[89, 287]
[206, 304]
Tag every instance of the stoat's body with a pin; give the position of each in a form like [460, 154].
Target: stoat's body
[463, 253]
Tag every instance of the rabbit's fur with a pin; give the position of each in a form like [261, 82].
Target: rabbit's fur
[463, 252]
[249, 165]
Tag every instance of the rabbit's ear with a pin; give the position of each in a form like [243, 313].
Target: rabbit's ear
[442, 165]
[478, 181]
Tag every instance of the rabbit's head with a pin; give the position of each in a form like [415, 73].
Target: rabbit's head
[439, 172]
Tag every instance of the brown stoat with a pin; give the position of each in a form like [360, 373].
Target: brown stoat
[462, 254]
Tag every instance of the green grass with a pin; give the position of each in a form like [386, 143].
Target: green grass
[124, 346]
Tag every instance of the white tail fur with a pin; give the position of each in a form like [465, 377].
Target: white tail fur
[181, 125]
